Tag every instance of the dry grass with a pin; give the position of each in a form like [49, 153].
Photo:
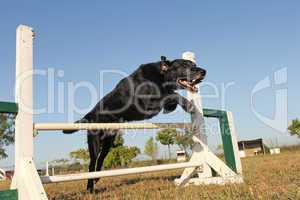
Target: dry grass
[266, 177]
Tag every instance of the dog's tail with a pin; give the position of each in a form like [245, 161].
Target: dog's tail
[73, 131]
[69, 131]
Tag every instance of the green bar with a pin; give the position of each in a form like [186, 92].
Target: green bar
[9, 195]
[227, 142]
[225, 133]
[8, 107]
[212, 113]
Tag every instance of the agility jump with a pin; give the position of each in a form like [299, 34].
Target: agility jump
[28, 183]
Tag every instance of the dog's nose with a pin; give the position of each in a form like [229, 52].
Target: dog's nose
[203, 72]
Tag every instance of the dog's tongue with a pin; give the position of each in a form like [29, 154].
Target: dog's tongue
[184, 82]
[189, 86]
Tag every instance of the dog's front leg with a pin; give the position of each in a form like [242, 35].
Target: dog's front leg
[186, 105]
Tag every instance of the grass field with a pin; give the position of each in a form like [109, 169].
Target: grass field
[266, 177]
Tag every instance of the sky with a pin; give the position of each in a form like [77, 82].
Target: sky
[249, 47]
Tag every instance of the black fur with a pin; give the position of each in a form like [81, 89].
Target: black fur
[142, 95]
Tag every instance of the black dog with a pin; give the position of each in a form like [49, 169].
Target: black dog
[142, 95]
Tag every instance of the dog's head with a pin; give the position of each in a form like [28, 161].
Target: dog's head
[181, 74]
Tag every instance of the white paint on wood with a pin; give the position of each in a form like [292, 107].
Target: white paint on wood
[26, 178]
[199, 128]
[117, 172]
[47, 169]
[96, 126]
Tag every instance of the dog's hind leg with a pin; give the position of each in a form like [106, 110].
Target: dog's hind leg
[107, 143]
[94, 145]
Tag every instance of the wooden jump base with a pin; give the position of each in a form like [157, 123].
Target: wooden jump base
[27, 184]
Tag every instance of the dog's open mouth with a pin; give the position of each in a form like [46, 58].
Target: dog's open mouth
[190, 85]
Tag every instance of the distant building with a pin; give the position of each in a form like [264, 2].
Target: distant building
[9, 174]
[181, 156]
[251, 147]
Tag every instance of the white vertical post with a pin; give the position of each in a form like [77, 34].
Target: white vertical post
[26, 179]
[47, 169]
[196, 99]
[201, 152]
[24, 123]
[52, 171]
[200, 148]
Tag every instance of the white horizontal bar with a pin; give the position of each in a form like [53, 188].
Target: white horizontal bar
[97, 126]
[117, 172]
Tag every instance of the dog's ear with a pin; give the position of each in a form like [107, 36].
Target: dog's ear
[164, 64]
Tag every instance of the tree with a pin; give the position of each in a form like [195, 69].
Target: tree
[81, 155]
[7, 131]
[220, 149]
[151, 148]
[294, 128]
[119, 141]
[167, 137]
[60, 165]
[120, 156]
[185, 140]
[61, 162]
